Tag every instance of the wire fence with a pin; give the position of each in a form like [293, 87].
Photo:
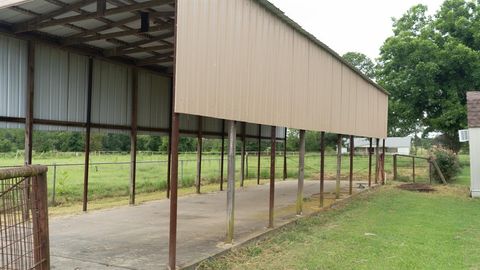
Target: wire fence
[111, 178]
[24, 219]
[414, 169]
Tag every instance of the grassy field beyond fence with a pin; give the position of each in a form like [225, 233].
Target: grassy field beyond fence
[110, 172]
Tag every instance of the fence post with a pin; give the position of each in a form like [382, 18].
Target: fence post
[40, 222]
[430, 170]
[181, 170]
[246, 165]
[413, 169]
[54, 182]
[395, 167]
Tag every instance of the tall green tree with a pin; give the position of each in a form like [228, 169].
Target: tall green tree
[361, 62]
[428, 65]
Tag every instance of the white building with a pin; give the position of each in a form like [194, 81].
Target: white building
[473, 104]
[398, 145]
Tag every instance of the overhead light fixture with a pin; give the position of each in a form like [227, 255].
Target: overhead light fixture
[9, 3]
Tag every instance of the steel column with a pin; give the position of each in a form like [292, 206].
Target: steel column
[370, 163]
[395, 175]
[133, 137]
[169, 148]
[242, 156]
[350, 176]
[175, 134]
[413, 169]
[383, 162]
[172, 243]
[222, 155]
[29, 102]
[339, 166]
[285, 156]
[259, 153]
[301, 172]
[322, 167]
[377, 160]
[232, 133]
[87, 134]
[272, 176]
[198, 181]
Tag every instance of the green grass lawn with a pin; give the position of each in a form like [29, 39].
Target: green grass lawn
[110, 181]
[386, 229]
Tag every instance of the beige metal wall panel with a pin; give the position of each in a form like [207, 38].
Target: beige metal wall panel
[242, 60]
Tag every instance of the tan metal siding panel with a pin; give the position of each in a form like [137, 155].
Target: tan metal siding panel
[236, 60]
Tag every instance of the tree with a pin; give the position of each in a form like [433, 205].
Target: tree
[428, 65]
[361, 62]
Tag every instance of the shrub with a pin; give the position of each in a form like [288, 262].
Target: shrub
[448, 163]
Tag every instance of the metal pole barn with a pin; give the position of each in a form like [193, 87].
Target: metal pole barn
[322, 167]
[273, 136]
[232, 133]
[301, 172]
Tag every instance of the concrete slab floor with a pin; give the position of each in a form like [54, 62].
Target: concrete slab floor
[136, 237]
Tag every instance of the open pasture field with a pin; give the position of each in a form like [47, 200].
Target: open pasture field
[110, 172]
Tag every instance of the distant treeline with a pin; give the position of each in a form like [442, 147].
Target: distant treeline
[12, 140]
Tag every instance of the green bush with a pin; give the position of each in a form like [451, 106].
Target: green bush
[448, 163]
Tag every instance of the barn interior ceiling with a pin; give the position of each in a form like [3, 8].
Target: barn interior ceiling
[134, 32]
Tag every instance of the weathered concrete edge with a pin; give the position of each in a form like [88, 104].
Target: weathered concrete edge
[262, 235]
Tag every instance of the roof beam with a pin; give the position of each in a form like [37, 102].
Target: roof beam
[36, 24]
[70, 41]
[161, 58]
[137, 50]
[79, 49]
[101, 7]
[159, 38]
[30, 25]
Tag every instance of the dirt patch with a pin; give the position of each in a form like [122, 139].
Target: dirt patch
[417, 187]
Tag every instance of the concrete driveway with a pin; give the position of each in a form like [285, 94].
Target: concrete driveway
[136, 237]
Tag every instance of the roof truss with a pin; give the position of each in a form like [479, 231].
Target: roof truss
[153, 39]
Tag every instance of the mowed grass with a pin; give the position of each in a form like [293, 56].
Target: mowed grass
[385, 229]
[110, 173]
